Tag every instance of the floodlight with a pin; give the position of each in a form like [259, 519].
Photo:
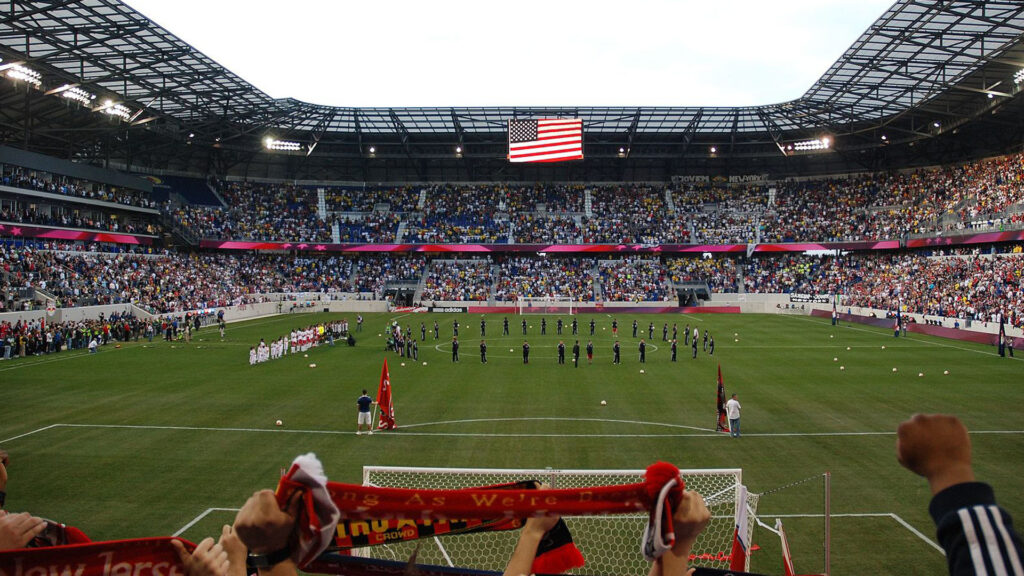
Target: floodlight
[373, 150]
[936, 124]
[24, 74]
[714, 149]
[1018, 77]
[811, 145]
[119, 110]
[884, 137]
[458, 149]
[75, 93]
[281, 145]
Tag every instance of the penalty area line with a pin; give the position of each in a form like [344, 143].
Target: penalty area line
[892, 515]
[199, 518]
[6, 440]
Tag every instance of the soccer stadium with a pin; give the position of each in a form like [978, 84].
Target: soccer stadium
[449, 305]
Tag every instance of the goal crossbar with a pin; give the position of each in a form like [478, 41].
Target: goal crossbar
[610, 543]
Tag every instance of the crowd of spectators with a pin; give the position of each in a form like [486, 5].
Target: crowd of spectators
[523, 277]
[468, 281]
[866, 207]
[371, 227]
[373, 273]
[630, 214]
[633, 279]
[975, 286]
[963, 283]
[800, 274]
[718, 273]
[529, 228]
[398, 198]
[258, 212]
[18, 177]
[69, 217]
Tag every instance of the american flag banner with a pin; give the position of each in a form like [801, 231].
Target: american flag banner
[545, 140]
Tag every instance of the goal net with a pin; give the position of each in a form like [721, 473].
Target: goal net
[610, 544]
[545, 305]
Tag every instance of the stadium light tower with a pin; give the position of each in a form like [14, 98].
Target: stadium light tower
[271, 143]
[814, 145]
[16, 71]
[73, 92]
[114, 109]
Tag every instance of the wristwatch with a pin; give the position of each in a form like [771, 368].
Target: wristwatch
[268, 560]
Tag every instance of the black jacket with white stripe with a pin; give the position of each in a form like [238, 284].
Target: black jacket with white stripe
[977, 534]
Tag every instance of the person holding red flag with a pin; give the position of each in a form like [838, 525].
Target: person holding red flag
[384, 401]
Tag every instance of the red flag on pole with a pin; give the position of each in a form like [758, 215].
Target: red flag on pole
[722, 424]
[387, 407]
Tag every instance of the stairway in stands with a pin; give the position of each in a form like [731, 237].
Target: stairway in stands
[588, 203]
[669, 202]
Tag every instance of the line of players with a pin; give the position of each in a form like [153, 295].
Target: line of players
[300, 340]
[405, 344]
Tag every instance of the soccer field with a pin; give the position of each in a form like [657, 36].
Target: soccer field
[148, 439]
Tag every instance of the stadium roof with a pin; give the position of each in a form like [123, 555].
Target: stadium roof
[924, 68]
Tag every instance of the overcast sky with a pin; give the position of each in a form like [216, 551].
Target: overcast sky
[523, 53]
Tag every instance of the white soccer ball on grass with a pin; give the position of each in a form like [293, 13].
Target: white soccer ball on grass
[278, 423]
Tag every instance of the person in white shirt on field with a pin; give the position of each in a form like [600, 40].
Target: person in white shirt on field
[732, 410]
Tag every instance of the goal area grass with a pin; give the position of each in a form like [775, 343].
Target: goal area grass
[152, 438]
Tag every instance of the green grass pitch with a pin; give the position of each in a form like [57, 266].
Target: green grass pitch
[139, 441]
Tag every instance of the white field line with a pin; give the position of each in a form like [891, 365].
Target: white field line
[421, 424]
[67, 355]
[400, 433]
[197, 519]
[6, 440]
[692, 316]
[926, 342]
[892, 515]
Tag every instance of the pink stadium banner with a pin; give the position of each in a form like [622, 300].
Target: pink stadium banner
[486, 248]
[983, 238]
[803, 247]
[48, 233]
[547, 248]
[599, 308]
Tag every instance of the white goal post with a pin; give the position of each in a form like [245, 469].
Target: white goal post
[610, 544]
[546, 305]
